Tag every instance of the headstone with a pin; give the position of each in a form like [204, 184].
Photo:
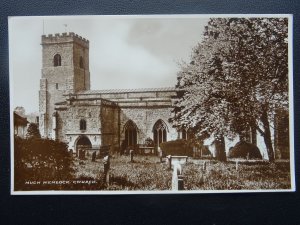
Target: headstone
[201, 180]
[160, 154]
[236, 165]
[204, 166]
[169, 161]
[94, 156]
[81, 154]
[131, 153]
[106, 164]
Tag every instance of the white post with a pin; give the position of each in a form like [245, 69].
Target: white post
[237, 165]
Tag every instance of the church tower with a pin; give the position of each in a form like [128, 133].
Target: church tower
[65, 70]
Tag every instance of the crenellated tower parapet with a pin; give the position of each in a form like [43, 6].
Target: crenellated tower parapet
[64, 38]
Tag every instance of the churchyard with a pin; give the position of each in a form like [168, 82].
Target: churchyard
[148, 173]
[43, 164]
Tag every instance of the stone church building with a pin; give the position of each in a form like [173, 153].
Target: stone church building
[90, 119]
[71, 112]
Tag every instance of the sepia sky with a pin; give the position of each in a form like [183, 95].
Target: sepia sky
[125, 51]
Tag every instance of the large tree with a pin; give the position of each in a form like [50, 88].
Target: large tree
[237, 77]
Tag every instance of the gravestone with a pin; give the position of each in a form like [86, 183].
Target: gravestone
[81, 154]
[169, 161]
[160, 154]
[106, 164]
[131, 153]
[204, 166]
[94, 156]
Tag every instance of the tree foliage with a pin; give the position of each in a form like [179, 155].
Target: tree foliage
[237, 77]
[33, 131]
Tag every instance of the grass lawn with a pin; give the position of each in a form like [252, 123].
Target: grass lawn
[147, 173]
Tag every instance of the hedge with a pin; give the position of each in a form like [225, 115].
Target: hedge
[243, 149]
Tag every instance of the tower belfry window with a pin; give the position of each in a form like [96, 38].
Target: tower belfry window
[81, 64]
[82, 124]
[57, 60]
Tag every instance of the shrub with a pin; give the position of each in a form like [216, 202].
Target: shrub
[40, 159]
[243, 149]
[178, 147]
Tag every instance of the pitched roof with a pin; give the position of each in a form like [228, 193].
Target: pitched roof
[113, 91]
[20, 120]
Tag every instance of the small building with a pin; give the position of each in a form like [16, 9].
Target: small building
[20, 125]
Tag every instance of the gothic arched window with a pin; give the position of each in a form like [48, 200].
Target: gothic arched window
[82, 124]
[57, 60]
[130, 133]
[81, 64]
[159, 132]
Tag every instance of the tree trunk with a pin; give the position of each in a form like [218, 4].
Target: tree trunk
[267, 136]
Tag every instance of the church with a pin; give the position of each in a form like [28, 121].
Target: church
[116, 119]
[71, 112]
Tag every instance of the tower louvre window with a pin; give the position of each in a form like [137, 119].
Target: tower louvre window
[81, 64]
[57, 60]
[82, 124]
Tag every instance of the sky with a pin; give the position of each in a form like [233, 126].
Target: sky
[125, 51]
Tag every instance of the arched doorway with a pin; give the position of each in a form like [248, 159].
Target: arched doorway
[83, 145]
[159, 132]
[130, 134]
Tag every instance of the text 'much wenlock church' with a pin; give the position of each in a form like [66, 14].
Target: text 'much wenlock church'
[71, 112]
[91, 119]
